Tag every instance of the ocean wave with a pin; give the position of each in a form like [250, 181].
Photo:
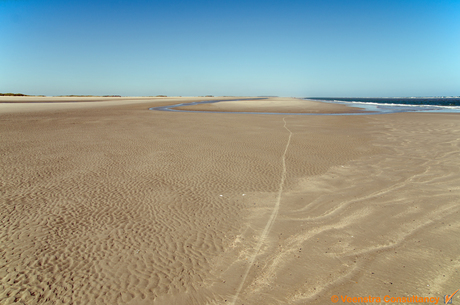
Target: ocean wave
[386, 106]
[401, 105]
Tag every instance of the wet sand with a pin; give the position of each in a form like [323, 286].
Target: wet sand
[107, 202]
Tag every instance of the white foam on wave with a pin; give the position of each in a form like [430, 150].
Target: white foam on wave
[400, 105]
[390, 107]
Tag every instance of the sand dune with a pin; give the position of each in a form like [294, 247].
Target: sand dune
[111, 203]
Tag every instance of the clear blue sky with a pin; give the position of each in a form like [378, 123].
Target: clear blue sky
[251, 47]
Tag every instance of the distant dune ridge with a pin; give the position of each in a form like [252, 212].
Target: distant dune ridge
[12, 94]
[106, 202]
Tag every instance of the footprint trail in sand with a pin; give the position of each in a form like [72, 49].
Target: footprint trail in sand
[272, 218]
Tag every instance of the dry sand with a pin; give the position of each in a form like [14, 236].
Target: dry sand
[110, 203]
[273, 104]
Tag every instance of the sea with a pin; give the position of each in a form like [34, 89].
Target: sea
[398, 104]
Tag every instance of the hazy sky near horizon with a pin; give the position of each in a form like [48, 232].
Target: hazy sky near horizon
[182, 47]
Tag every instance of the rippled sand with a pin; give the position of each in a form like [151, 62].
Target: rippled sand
[110, 203]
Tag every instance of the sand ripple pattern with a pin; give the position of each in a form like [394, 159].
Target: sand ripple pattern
[120, 207]
[383, 224]
[272, 216]
[130, 206]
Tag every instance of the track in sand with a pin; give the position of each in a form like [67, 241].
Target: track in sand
[272, 218]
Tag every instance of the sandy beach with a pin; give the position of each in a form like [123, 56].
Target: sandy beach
[104, 201]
